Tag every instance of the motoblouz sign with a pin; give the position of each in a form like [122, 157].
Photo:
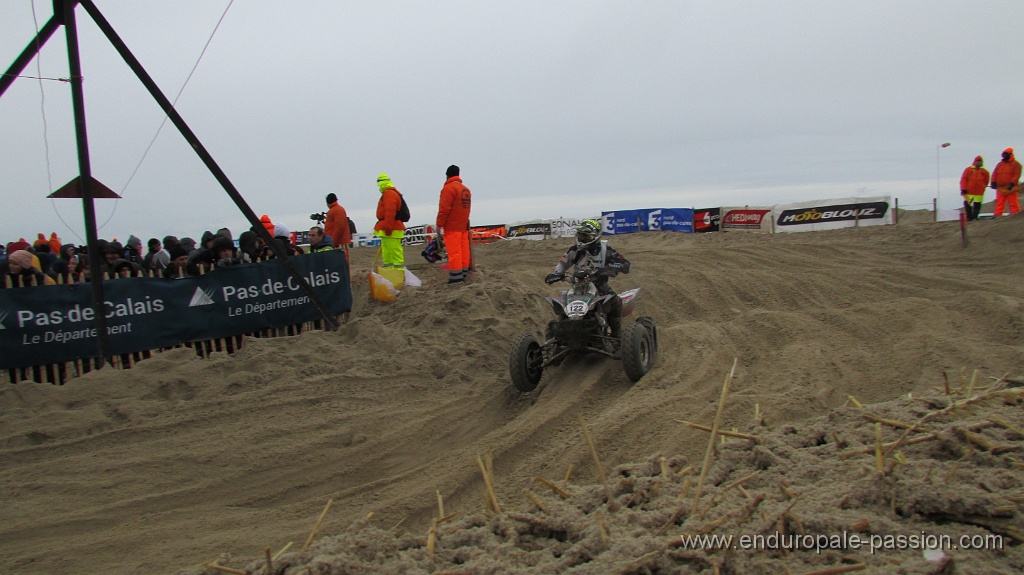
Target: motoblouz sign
[530, 231]
[832, 214]
[43, 325]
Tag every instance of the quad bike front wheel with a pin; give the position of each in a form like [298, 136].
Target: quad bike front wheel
[638, 350]
[525, 361]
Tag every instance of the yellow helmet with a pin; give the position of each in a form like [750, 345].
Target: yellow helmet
[588, 232]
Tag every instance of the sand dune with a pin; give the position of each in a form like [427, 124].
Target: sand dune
[179, 460]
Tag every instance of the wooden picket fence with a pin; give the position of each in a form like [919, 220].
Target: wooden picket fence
[60, 373]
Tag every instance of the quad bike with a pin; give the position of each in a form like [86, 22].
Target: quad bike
[582, 326]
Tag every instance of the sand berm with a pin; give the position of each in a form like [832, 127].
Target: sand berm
[188, 465]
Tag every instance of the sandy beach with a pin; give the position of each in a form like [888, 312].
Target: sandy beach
[182, 461]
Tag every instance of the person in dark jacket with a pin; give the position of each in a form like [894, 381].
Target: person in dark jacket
[156, 258]
[133, 251]
[64, 267]
[319, 241]
[178, 266]
[225, 253]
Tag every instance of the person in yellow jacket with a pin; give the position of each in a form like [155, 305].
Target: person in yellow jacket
[1006, 183]
[389, 228]
[972, 187]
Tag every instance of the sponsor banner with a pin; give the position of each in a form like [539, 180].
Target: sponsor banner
[528, 231]
[416, 235]
[754, 218]
[486, 234]
[655, 219]
[365, 240]
[566, 228]
[706, 220]
[42, 325]
[628, 221]
[832, 214]
[676, 220]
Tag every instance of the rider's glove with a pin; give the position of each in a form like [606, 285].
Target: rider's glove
[552, 278]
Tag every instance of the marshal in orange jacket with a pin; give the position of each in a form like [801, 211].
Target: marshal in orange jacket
[453, 208]
[1006, 176]
[974, 181]
[387, 208]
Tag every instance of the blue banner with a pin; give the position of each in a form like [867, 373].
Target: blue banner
[677, 220]
[50, 324]
[648, 220]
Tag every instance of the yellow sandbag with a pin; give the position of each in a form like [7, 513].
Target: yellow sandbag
[394, 275]
[381, 289]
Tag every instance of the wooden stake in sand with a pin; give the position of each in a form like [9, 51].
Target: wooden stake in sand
[431, 538]
[282, 551]
[561, 492]
[536, 500]
[995, 390]
[724, 434]
[487, 470]
[612, 506]
[714, 432]
[316, 527]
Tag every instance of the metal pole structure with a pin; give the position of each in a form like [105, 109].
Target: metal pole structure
[938, 192]
[207, 159]
[30, 51]
[67, 15]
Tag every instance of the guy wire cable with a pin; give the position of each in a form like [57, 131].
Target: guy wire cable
[42, 109]
[164, 121]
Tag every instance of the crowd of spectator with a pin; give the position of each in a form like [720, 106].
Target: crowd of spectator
[48, 261]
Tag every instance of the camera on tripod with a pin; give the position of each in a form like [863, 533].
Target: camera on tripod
[318, 218]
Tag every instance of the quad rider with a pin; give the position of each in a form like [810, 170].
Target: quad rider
[593, 256]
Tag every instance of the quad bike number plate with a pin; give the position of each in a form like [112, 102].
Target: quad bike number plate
[576, 308]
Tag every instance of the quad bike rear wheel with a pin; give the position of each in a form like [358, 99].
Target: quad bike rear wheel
[638, 351]
[524, 363]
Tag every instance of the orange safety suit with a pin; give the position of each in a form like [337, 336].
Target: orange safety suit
[387, 207]
[336, 225]
[974, 181]
[1006, 180]
[267, 224]
[453, 218]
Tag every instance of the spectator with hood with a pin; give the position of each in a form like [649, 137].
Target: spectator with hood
[249, 244]
[178, 265]
[133, 251]
[157, 257]
[64, 267]
[20, 268]
[389, 229]
[1006, 183]
[224, 252]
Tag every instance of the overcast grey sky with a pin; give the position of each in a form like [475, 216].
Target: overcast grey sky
[551, 108]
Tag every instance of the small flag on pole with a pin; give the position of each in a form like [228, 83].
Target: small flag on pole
[946, 145]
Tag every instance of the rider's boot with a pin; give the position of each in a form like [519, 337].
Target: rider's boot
[615, 317]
